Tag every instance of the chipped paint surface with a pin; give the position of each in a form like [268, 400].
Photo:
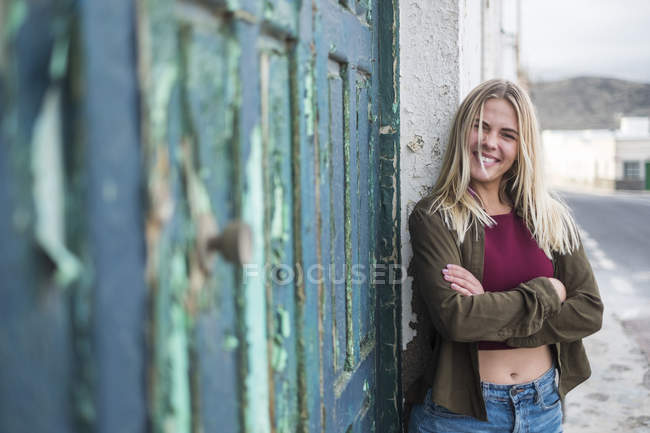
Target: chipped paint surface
[348, 193]
[221, 351]
[49, 196]
[177, 419]
[256, 381]
[188, 131]
[14, 16]
[389, 397]
[416, 144]
[308, 101]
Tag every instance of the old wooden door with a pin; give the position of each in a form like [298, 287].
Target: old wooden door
[275, 121]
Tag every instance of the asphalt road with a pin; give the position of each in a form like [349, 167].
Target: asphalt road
[616, 233]
[620, 223]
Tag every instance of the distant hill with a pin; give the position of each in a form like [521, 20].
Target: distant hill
[588, 102]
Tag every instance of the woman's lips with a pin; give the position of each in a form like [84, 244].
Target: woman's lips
[488, 161]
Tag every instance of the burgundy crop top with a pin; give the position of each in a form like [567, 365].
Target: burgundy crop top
[512, 257]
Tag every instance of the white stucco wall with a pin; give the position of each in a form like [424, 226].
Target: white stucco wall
[594, 157]
[500, 24]
[580, 158]
[632, 149]
[442, 57]
[508, 43]
[429, 94]
[633, 143]
[470, 30]
[634, 126]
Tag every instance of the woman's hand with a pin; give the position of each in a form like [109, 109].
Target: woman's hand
[462, 280]
[559, 288]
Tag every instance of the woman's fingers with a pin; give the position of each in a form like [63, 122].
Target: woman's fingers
[461, 281]
[462, 278]
[461, 290]
[463, 273]
[458, 280]
[460, 285]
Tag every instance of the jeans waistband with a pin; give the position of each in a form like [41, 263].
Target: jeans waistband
[539, 385]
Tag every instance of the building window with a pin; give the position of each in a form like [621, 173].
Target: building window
[631, 170]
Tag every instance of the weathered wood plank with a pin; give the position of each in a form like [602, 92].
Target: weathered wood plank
[35, 335]
[281, 297]
[115, 213]
[389, 393]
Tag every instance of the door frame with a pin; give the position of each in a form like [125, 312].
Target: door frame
[389, 310]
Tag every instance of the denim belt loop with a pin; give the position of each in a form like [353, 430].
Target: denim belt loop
[538, 393]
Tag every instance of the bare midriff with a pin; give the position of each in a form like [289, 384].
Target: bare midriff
[513, 366]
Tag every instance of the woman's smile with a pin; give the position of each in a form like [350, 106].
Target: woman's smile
[488, 160]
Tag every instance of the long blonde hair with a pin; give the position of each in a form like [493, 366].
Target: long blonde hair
[546, 216]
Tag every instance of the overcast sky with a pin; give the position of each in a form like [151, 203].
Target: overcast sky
[564, 38]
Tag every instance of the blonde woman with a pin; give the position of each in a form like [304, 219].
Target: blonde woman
[499, 263]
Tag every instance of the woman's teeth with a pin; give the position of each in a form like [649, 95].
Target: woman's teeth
[485, 159]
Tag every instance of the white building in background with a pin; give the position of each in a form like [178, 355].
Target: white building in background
[600, 158]
[633, 154]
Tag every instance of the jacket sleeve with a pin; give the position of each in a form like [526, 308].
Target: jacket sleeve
[492, 316]
[581, 314]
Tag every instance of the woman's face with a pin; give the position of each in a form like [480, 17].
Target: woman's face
[500, 143]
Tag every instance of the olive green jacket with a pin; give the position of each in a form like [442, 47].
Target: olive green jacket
[529, 315]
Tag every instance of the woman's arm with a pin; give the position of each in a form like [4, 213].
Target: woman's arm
[497, 316]
[465, 283]
[582, 312]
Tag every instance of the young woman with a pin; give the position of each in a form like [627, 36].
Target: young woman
[500, 266]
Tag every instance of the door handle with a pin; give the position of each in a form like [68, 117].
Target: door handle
[234, 242]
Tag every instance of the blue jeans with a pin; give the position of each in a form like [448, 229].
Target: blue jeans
[522, 408]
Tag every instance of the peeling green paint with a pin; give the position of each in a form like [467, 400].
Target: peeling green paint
[278, 357]
[282, 13]
[308, 100]
[175, 407]
[190, 136]
[256, 382]
[266, 203]
[16, 16]
[268, 9]
[284, 322]
[230, 342]
[59, 57]
[167, 74]
[197, 194]
[349, 328]
[388, 388]
[278, 226]
[49, 190]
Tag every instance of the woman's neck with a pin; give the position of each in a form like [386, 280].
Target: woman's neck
[492, 203]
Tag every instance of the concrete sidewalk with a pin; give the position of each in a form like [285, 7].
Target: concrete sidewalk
[617, 396]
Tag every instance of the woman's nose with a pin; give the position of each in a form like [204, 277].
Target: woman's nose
[489, 140]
